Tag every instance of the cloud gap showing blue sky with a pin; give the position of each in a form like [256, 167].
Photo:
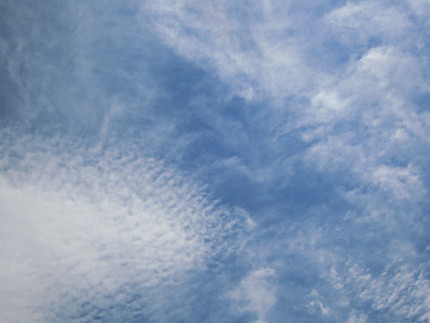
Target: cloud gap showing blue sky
[214, 161]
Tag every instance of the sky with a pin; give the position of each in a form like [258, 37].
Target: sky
[215, 161]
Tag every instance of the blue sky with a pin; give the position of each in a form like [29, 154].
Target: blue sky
[215, 161]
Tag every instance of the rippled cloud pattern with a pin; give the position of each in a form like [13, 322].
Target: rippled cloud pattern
[215, 161]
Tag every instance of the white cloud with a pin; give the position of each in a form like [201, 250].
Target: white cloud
[81, 225]
[316, 305]
[357, 317]
[420, 7]
[90, 223]
[358, 22]
[253, 53]
[403, 291]
[359, 114]
[404, 183]
[255, 294]
[398, 290]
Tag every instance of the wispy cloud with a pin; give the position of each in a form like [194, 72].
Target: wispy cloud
[255, 294]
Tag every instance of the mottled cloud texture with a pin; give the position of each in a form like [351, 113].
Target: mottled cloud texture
[214, 161]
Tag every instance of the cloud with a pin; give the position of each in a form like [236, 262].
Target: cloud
[420, 7]
[255, 294]
[157, 156]
[400, 291]
[358, 114]
[346, 77]
[79, 227]
[357, 317]
[381, 285]
[252, 52]
[366, 21]
[404, 183]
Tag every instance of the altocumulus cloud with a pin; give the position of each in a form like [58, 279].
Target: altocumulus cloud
[215, 161]
[84, 232]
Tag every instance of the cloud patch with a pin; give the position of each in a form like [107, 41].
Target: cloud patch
[256, 294]
[84, 231]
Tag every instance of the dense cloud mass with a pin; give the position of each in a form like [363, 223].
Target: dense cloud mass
[215, 161]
